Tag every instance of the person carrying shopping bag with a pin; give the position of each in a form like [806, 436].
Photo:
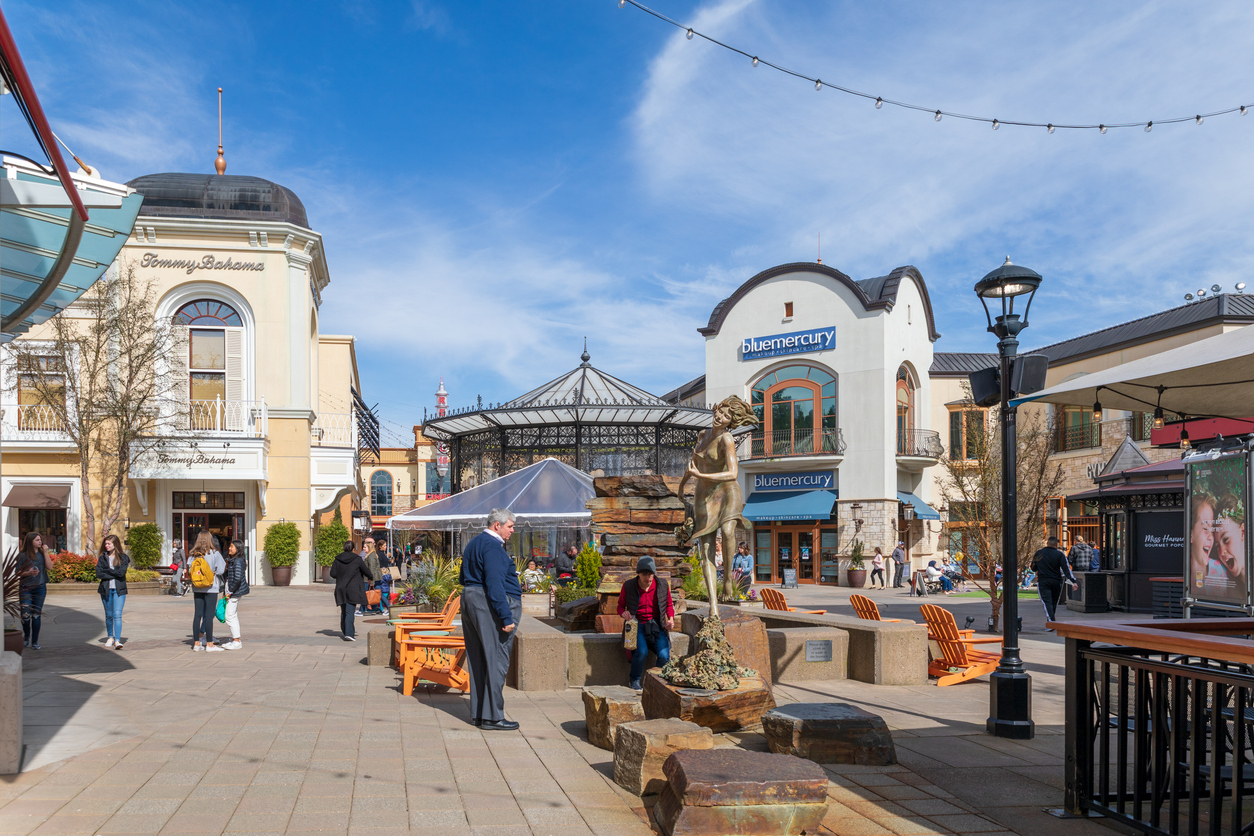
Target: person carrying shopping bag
[205, 566]
[235, 586]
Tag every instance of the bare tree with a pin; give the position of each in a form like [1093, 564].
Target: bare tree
[99, 377]
[971, 487]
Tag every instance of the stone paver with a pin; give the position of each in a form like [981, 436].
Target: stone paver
[294, 734]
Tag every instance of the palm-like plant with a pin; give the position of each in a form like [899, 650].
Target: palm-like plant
[12, 583]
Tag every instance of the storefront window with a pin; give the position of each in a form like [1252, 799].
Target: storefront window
[48, 522]
[829, 569]
[381, 493]
[762, 555]
[790, 425]
[437, 484]
[1114, 556]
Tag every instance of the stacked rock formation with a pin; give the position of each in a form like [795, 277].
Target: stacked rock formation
[634, 516]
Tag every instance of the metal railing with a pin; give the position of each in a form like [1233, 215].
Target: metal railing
[780, 443]
[31, 422]
[334, 429]
[1160, 726]
[1078, 437]
[922, 444]
[248, 419]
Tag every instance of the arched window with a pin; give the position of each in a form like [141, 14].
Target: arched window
[209, 312]
[381, 493]
[796, 409]
[215, 364]
[905, 406]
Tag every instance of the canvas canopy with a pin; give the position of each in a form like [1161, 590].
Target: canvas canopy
[1211, 377]
[546, 494]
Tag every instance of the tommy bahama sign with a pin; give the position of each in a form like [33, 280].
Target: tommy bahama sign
[798, 342]
[191, 265]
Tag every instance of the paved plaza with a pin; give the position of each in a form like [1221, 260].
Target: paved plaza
[295, 734]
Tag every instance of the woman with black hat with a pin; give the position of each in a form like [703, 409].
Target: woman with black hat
[642, 599]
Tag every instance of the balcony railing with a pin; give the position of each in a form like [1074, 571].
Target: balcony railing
[334, 429]
[780, 443]
[246, 419]
[31, 422]
[1079, 437]
[919, 444]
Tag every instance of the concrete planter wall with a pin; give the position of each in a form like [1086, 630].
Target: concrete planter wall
[536, 603]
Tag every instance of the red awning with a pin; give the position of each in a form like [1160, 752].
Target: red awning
[38, 496]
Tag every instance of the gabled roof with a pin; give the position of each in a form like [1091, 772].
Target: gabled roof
[960, 364]
[1127, 457]
[687, 390]
[875, 294]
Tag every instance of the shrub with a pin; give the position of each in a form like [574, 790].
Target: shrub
[141, 575]
[588, 567]
[68, 566]
[330, 540]
[855, 556]
[694, 587]
[143, 544]
[282, 544]
[432, 581]
[566, 594]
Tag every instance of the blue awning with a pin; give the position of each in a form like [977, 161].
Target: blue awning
[789, 505]
[922, 510]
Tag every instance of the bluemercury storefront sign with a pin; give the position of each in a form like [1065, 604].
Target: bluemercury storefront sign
[811, 480]
[191, 265]
[798, 342]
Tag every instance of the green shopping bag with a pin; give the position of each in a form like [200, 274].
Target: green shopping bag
[221, 610]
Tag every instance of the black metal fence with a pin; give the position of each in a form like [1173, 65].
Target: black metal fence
[1161, 742]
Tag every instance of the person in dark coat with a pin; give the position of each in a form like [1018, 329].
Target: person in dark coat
[1051, 568]
[234, 587]
[491, 610]
[111, 568]
[350, 574]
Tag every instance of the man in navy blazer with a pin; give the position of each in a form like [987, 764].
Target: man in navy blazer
[491, 611]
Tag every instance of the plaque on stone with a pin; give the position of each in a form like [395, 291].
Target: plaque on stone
[819, 650]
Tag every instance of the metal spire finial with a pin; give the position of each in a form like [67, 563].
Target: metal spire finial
[585, 357]
[220, 162]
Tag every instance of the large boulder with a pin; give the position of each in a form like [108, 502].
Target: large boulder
[641, 749]
[828, 732]
[605, 708]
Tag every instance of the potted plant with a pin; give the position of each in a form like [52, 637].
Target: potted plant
[143, 543]
[536, 594]
[329, 542]
[282, 548]
[856, 574]
[12, 588]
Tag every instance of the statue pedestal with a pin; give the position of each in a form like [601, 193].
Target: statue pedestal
[720, 711]
[744, 632]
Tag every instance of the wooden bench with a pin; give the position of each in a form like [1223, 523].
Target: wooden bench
[866, 609]
[435, 659]
[775, 601]
[960, 660]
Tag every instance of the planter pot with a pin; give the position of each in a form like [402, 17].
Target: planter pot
[282, 575]
[536, 604]
[856, 578]
[13, 641]
[326, 574]
[752, 605]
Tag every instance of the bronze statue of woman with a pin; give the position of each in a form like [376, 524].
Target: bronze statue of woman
[716, 510]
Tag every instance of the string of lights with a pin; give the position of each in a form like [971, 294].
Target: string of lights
[937, 113]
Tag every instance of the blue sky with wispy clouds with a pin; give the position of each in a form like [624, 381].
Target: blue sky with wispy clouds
[494, 181]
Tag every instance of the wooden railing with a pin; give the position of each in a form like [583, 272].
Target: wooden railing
[1160, 723]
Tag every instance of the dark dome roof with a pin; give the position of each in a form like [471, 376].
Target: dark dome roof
[222, 196]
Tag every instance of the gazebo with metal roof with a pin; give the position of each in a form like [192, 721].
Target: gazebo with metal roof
[586, 418]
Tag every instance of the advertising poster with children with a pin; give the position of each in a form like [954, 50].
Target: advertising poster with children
[1217, 567]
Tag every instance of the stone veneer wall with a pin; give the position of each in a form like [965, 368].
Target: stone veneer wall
[634, 516]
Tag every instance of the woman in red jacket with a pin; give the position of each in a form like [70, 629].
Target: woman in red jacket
[642, 598]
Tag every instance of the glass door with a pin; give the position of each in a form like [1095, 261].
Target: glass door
[762, 555]
[806, 558]
[829, 565]
[784, 554]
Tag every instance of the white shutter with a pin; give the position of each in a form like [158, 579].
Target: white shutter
[179, 390]
[236, 410]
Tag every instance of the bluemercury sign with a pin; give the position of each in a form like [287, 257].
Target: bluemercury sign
[811, 480]
[191, 265]
[798, 342]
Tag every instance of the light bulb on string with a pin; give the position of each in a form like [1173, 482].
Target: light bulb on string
[878, 102]
[1149, 126]
[996, 124]
[755, 60]
[1158, 417]
[622, 3]
[938, 115]
[818, 84]
[1102, 128]
[1097, 412]
[690, 34]
[1184, 437]
[1242, 110]
[1198, 119]
[1050, 128]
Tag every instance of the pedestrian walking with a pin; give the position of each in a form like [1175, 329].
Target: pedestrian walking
[178, 565]
[368, 555]
[385, 578]
[899, 559]
[743, 560]
[350, 575]
[234, 587]
[641, 599]
[491, 610]
[1051, 567]
[206, 565]
[111, 568]
[1081, 555]
[33, 565]
[877, 567]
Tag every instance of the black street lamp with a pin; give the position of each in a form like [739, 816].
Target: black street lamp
[1010, 686]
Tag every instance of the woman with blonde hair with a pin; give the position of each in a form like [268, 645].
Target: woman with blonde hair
[111, 568]
[716, 509]
[205, 566]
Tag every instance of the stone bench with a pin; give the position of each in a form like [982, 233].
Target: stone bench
[826, 732]
[599, 658]
[721, 791]
[605, 708]
[880, 652]
[641, 750]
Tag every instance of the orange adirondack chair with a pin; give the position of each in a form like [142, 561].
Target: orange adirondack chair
[775, 601]
[865, 608]
[435, 659]
[444, 616]
[427, 622]
[961, 661]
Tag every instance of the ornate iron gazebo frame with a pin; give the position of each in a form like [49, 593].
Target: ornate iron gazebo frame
[586, 418]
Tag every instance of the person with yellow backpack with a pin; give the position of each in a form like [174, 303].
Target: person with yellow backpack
[204, 567]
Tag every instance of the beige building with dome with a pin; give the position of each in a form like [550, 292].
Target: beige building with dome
[271, 429]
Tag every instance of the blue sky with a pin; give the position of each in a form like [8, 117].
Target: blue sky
[494, 181]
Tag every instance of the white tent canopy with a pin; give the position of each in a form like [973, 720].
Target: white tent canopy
[547, 494]
[1211, 377]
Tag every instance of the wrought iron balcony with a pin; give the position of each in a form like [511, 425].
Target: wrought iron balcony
[919, 444]
[1084, 436]
[796, 442]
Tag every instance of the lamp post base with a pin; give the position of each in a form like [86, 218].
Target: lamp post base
[1010, 706]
